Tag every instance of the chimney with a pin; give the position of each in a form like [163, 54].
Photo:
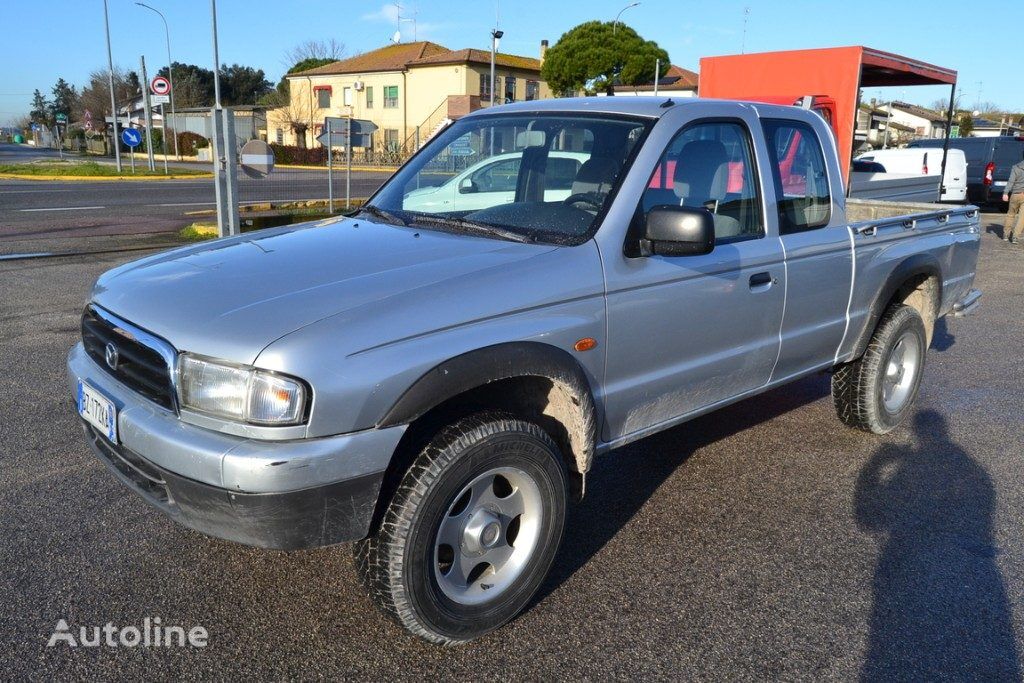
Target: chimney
[543, 50]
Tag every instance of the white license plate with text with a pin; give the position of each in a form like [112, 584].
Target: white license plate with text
[97, 410]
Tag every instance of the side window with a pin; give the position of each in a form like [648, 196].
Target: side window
[798, 167]
[498, 177]
[711, 165]
[560, 173]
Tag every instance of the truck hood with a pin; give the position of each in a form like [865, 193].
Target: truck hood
[231, 298]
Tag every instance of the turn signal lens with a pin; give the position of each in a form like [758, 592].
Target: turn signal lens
[585, 344]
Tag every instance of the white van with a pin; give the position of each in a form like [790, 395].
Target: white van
[925, 161]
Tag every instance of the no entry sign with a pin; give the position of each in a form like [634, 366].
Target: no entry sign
[160, 86]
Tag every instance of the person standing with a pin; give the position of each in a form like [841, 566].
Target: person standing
[1013, 228]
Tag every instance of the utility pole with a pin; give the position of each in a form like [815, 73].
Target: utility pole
[110, 81]
[496, 35]
[746, 15]
[149, 113]
[170, 79]
[657, 74]
[223, 148]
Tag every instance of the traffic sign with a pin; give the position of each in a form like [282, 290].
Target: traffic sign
[88, 119]
[159, 99]
[131, 137]
[257, 159]
[61, 118]
[359, 126]
[954, 131]
[340, 139]
[160, 86]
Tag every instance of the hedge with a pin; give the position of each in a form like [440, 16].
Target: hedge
[188, 143]
[301, 156]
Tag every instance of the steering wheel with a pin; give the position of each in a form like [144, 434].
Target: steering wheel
[594, 200]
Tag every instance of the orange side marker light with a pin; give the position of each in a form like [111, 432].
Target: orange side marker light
[585, 344]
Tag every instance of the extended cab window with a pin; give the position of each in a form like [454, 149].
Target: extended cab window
[710, 165]
[798, 167]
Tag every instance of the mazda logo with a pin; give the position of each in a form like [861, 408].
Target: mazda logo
[111, 356]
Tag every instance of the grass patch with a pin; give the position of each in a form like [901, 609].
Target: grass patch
[198, 232]
[88, 169]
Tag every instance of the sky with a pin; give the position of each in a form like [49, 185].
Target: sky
[67, 38]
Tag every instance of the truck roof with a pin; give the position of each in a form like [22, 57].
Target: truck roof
[646, 106]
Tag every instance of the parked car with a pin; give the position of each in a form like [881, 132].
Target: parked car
[917, 161]
[989, 161]
[433, 384]
[492, 181]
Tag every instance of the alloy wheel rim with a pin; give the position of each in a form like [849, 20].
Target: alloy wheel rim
[488, 535]
[900, 372]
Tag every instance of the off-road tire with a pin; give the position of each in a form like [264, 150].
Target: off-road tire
[397, 564]
[857, 387]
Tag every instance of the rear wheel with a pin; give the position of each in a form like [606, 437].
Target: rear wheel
[472, 530]
[876, 392]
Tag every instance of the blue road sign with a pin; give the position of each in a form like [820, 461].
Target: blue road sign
[131, 137]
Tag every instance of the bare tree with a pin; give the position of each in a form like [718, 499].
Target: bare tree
[95, 97]
[297, 115]
[314, 49]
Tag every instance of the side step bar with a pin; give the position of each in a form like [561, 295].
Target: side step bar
[969, 304]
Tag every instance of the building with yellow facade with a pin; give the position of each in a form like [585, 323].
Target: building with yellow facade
[409, 90]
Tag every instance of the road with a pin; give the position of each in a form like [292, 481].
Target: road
[48, 210]
[764, 541]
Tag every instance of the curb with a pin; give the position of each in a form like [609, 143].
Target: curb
[337, 169]
[102, 178]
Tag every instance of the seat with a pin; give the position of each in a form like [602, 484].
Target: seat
[596, 174]
[701, 179]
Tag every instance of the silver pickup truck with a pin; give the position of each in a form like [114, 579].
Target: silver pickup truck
[432, 376]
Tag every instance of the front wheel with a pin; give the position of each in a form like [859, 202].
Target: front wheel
[876, 392]
[472, 530]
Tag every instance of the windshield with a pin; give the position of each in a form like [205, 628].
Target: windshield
[524, 177]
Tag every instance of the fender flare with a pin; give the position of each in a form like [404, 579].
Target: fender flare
[914, 266]
[482, 366]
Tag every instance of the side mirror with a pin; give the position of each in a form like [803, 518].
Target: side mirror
[467, 186]
[678, 231]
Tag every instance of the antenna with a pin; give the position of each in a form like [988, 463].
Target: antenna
[397, 37]
[746, 14]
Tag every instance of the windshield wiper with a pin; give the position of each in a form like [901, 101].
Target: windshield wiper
[472, 226]
[378, 212]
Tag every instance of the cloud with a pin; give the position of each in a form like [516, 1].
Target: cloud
[388, 14]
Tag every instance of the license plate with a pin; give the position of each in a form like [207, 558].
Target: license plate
[97, 410]
[999, 183]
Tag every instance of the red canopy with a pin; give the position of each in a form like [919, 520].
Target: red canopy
[837, 72]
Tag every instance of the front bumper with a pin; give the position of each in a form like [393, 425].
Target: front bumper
[272, 494]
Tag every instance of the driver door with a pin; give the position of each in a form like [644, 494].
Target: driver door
[687, 332]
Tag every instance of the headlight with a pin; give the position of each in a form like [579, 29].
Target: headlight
[239, 392]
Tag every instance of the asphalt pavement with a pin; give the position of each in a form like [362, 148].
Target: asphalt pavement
[46, 210]
[764, 541]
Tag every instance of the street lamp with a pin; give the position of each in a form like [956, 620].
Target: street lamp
[615, 24]
[495, 39]
[170, 76]
[110, 81]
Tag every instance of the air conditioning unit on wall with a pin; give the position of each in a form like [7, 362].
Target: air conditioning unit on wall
[358, 85]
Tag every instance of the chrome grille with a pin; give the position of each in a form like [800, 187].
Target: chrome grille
[141, 361]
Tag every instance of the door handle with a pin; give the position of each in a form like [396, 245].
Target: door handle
[761, 280]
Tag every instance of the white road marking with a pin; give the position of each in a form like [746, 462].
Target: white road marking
[66, 208]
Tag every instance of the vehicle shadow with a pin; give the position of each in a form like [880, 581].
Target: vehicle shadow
[619, 484]
[942, 338]
[940, 608]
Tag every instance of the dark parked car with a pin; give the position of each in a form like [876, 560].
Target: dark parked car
[988, 164]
